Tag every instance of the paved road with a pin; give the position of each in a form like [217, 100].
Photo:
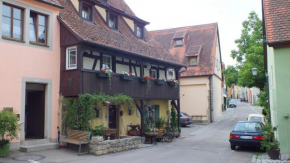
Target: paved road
[199, 144]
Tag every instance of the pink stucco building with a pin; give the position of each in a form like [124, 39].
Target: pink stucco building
[30, 67]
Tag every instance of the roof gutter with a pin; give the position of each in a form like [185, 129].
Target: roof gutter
[54, 5]
[130, 53]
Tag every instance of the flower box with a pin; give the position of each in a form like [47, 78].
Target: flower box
[160, 82]
[102, 75]
[125, 77]
[171, 83]
[142, 80]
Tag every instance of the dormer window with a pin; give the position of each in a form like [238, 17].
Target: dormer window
[113, 19]
[179, 42]
[86, 12]
[193, 61]
[139, 31]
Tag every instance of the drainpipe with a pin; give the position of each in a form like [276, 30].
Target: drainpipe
[211, 98]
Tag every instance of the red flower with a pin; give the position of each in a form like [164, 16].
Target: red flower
[150, 77]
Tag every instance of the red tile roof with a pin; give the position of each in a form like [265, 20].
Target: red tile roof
[199, 40]
[122, 39]
[277, 18]
[51, 2]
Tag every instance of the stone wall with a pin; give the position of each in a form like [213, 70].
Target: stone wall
[99, 146]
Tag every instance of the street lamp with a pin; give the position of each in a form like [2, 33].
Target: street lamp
[254, 71]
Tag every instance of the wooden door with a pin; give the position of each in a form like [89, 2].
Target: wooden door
[112, 117]
[35, 115]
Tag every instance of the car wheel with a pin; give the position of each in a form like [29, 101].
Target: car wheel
[233, 147]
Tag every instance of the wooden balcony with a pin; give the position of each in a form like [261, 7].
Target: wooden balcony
[91, 82]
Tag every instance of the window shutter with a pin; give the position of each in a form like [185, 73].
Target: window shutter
[156, 112]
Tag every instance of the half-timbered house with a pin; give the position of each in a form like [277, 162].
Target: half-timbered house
[97, 34]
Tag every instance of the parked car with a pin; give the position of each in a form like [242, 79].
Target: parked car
[243, 99]
[246, 133]
[256, 118]
[232, 103]
[185, 119]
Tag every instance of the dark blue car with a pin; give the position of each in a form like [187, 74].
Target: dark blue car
[247, 133]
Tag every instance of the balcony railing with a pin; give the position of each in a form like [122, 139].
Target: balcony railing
[94, 83]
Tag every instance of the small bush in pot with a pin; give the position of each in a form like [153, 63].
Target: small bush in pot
[8, 130]
[269, 143]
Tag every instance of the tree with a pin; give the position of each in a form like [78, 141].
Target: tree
[250, 53]
[231, 75]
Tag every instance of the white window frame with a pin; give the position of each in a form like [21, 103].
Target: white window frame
[68, 65]
[167, 74]
[110, 66]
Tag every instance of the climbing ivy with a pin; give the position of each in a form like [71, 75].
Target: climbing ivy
[80, 112]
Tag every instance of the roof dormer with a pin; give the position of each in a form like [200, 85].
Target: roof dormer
[178, 38]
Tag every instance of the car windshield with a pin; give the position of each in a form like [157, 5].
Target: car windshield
[232, 101]
[256, 119]
[248, 127]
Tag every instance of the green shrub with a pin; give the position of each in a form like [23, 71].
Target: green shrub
[8, 127]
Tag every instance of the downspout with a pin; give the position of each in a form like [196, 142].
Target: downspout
[210, 98]
[266, 57]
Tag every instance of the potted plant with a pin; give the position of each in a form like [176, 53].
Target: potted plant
[160, 81]
[127, 76]
[269, 143]
[105, 73]
[146, 79]
[173, 82]
[8, 130]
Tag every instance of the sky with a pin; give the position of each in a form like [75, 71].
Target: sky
[229, 14]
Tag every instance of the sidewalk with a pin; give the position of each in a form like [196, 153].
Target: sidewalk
[264, 158]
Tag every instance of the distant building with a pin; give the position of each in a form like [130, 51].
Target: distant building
[201, 86]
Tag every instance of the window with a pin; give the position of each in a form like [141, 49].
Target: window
[193, 61]
[139, 31]
[38, 28]
[107, 62]
[98, 113]
[130, 111]
[154, 74]
[12, 22]
[71, 58]
[179, 42]
[112, 21]
[170, 74]
[86, 11]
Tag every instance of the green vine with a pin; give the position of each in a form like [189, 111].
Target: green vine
[80, 112]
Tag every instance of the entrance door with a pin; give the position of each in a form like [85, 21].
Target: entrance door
[112, 117]
[34, 113]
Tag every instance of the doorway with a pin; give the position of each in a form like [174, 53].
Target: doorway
[112, 117]
[34, 111]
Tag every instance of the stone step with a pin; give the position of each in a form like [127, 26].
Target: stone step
[39, 147]
[35, 142]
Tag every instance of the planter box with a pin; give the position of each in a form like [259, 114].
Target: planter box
[129, 78]
[102, 75]
[151, 133]
[4, 150]
[160, 82]
[142, 80]
[170, 83]
[133, 133]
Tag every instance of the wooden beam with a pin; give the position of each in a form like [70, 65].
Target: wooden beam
[138, 107]
[142, 119]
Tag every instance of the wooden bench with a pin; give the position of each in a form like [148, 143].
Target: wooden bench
[79, 138]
